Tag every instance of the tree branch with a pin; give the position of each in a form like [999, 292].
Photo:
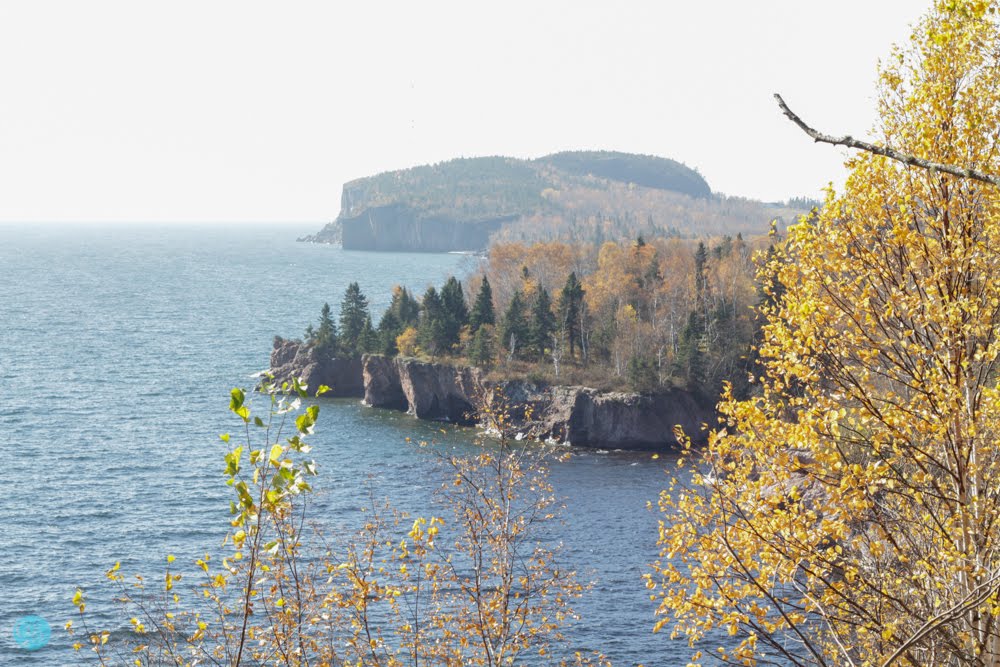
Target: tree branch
[892, 154]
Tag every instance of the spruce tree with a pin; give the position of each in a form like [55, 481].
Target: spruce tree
[570, 308]
[483, 347]
[388, 328]
[404, 307]
[431, 332]
[369, 340]
[353, 313]
[482, 309]
[543, 322]
[514, 331]
[324, 338]
[455, 315]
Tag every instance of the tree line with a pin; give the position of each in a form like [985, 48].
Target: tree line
[644, 315]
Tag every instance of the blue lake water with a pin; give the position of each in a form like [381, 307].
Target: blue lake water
[118, 347]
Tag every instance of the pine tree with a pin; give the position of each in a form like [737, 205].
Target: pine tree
[482, 310]
[543, 323]
[389, 328]
[514, 331]
[324, 338]
[570, 308]
[431, 332]
[353, 313]
[369, 341]
[404, 307]
[454, 312]
[482, 350]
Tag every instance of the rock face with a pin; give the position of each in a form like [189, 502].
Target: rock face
[292, 358]
[398, 227]
[632, 421]
[579, 416]
[383, 388]
[427, 391]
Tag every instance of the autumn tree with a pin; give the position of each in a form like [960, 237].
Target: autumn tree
[477, 583]
[846, 513]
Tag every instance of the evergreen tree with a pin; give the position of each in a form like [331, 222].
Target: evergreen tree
[389, 328]
[324, 338]
[404, 307]
[482, 350]
[514, 332]
[543, 322]
[403, 312]
[570, 308]
[700, 274]
[369, 341]
[431, 332]
[482, 309]
[455, 315]
[353, 313]
[693, 352]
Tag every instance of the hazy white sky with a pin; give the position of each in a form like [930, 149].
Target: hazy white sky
[219, 110]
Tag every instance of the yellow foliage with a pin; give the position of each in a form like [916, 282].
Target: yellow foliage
[847, 513]
[406, 342]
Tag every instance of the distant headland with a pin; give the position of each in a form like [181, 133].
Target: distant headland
[467, 203]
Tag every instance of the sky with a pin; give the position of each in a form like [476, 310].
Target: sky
[197, 111]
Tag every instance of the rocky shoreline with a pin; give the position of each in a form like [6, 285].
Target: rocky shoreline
[579, 416]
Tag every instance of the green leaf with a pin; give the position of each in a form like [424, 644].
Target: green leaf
[224, 437]
[322, 390]
[236, 399]
[258, 422]
[275, 455]
[245, 498]
[307, 419]
[233, 461]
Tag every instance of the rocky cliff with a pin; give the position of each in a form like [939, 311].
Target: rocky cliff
[398, 227]
[579, 416]
[291, 358]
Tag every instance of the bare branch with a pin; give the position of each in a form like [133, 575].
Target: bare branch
[905, 158]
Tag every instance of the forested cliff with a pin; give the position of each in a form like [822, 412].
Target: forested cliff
[594, 196]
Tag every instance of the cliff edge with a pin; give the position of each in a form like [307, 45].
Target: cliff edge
[579, 416]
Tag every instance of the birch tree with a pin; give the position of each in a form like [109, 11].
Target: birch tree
[847, 513]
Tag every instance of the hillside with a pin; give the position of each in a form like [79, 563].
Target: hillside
[583, 196]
